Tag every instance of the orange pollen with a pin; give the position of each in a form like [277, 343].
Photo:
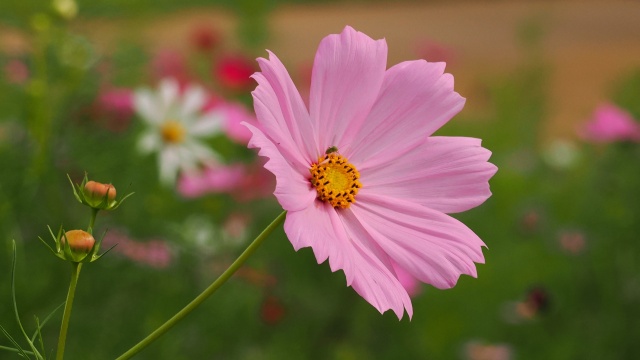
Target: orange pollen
[172, 132]
[335, 180]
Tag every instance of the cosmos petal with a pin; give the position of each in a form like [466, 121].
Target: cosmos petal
[339, 237]
[432, 246]
[282, 114]
[347, 73]
[415, 100]
[293, 190]
[448, 174]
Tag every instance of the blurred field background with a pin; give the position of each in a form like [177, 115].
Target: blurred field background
[562, 272]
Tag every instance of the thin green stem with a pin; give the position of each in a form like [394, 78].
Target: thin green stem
[207, 292]
[92, 220]
[75, 273]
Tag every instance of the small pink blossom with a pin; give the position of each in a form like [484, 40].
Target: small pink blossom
[364, 182]
[572, 242]
[610, 123]
[153, 253]
[214, 178]
[434, 51]
[204, 38]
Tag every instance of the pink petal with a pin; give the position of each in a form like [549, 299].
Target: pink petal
[433, 247]
[409, 283]
[339, 237]
[319, 227]
[293, 190]
[347, 73]
[282, 113]
[415, 100]
[448, 174]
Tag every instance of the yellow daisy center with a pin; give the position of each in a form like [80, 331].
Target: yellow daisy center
[172, 132]
[335, 180]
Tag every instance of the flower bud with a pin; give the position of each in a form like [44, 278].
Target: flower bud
[95, 194]
[80, 243]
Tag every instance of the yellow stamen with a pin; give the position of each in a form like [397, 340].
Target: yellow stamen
[335, 180]
[172, 132]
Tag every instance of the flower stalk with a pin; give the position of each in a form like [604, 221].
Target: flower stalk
[75, 274]
[207, 292]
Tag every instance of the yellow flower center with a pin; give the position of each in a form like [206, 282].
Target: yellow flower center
[335, 180]
[172, 132]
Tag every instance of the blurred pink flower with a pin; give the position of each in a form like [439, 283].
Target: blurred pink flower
[572, 242]
[233, 115]
[153, 253]
[213, 178]
[434, 51]
[475, 350]
[609, 124]
[204, 38]
[257, 183]
[113, 108]
[16, 72]
[364, 183]
[233, 72]
[171, 64]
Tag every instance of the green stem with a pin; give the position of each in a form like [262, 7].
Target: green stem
[207, 292]
[75, 273]
[92, 220]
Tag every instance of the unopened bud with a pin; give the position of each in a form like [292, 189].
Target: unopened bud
[80, 242]
[95, 194]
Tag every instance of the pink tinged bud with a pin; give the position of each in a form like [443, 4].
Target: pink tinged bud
[95, 193]
[80, 242]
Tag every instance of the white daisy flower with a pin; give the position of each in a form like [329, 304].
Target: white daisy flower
[176, 125]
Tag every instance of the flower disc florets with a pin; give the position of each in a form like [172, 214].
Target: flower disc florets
[335, 180]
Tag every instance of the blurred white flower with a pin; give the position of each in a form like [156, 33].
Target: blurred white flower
[561, 154]
[176, 125]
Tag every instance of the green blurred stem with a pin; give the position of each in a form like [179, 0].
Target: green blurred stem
[207, 292]
[75, 273]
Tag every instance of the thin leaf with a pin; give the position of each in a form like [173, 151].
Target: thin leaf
[39, 336]
[18, 348]
[15, 304]
[46, 319]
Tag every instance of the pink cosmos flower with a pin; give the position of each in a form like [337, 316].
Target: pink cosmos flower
[609, 124]
[364, 183]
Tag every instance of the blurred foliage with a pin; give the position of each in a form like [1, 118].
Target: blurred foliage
[561, 279]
